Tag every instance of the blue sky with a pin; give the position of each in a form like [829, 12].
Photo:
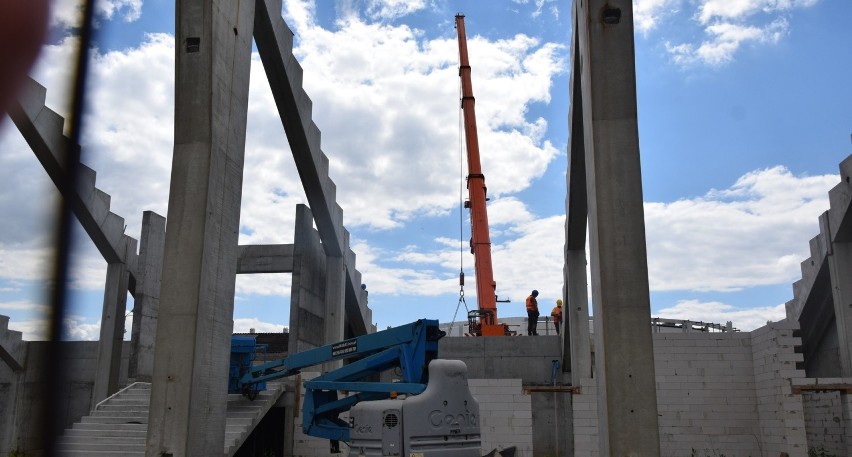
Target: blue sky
[745, 110]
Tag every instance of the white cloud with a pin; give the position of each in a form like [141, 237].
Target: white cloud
[727, 26]
[32, 330]
[387, 101]
[393, 9]
[710, 10]
[648, 14]
[754, 233]
[746, 319]
[245, 325]
[69, 13]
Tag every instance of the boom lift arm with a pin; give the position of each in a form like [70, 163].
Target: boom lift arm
[409, 347]
[483, 322]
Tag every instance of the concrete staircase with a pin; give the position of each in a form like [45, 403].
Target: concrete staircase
[118, 426]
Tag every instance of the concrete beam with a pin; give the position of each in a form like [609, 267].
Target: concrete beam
[627, 402]
[267, 258]
[42, 128]
[284, 74]
[146, 303]
[213, 43]
[308, 289]
[275, 45]
[112, 327]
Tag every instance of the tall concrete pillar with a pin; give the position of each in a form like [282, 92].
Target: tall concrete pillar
[146, 302]
[575, 289]
[213, 43]
[624, 359]
[112, 324]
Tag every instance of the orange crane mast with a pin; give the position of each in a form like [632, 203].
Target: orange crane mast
[483, 322]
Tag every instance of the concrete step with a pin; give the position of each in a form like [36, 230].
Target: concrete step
[99, 426]
[106, 433]
[90, 453]
[134, 407]
[118, 427]
[69, 442]
[115, 419]
[97, 446]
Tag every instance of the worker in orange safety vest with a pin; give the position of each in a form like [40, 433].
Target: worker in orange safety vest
[532, 314]
[557, 315]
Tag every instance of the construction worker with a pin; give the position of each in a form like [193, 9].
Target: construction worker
[532, 314]
[557, 314]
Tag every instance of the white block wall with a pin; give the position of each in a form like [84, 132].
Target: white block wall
[505, 415]
[719, 393]
[585, 416]
[824, 421]
[706, 394]
[780, 412]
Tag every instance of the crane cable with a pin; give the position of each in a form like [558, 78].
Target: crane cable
[461, 211]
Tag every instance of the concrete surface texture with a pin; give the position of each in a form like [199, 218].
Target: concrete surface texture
[603, 43]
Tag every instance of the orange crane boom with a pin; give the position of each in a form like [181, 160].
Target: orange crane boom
[483, 322]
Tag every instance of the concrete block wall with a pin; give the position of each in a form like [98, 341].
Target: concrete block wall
[824, 425]
[719, 393]
[846, 411]
[585, 412]
[780, 412]
[706, 393]
[505, 414]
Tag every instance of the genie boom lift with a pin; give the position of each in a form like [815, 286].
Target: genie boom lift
[428, 412]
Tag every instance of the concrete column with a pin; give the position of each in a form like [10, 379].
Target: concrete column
[575, 288]
[627, 400]
[213, 43]
[149, 268]
[840, 269]
[576, 309]
[112, 325]
[335, 281]
[308, 289]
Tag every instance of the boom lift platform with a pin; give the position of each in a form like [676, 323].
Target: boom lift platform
[427, 412]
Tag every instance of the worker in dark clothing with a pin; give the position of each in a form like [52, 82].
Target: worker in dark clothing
[532, 314]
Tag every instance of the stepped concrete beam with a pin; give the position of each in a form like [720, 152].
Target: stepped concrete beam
[112, 327]
[275, 45]
[42, 128]
[213, 43]
[146, 303]
[627, 402]
[576, 350]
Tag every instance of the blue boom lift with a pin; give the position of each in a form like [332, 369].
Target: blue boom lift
[409, 349]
